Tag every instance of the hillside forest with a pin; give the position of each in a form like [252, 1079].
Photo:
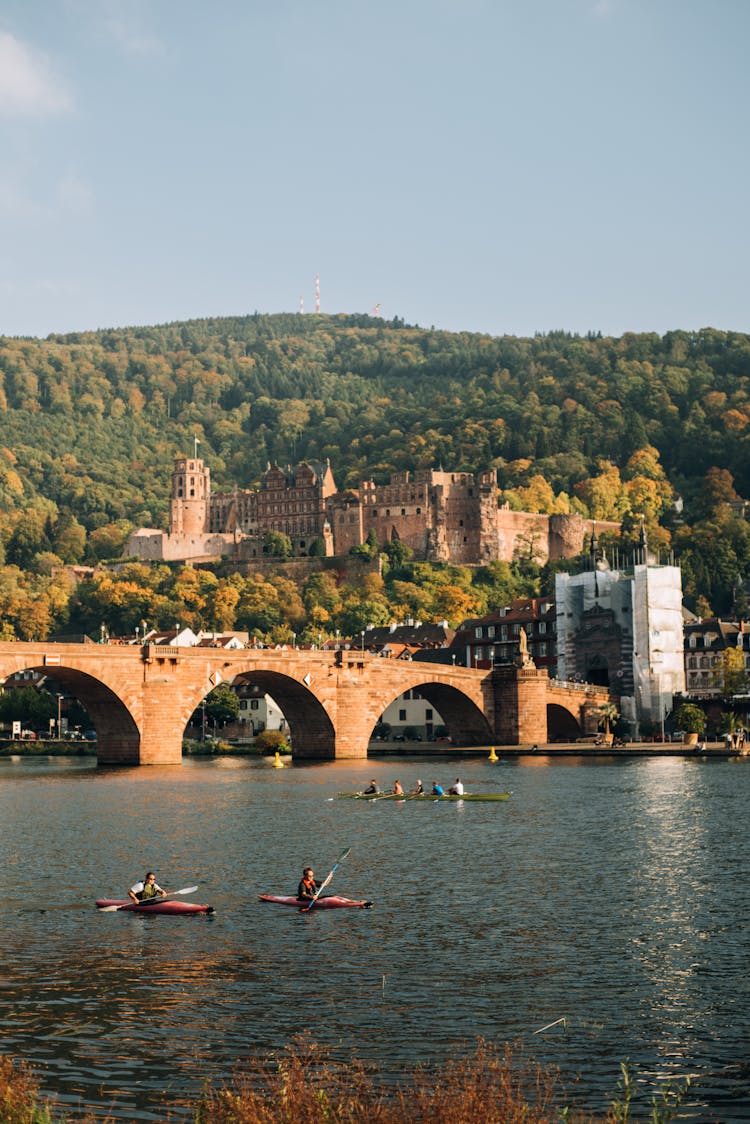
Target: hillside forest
[638, 429]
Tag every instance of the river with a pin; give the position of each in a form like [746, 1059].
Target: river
[613, 895]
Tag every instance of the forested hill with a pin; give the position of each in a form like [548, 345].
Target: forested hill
[90, 423]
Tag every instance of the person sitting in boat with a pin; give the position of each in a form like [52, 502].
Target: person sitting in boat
[437, 790]
[308, 887]
[146, 889]
[419, 789]
[371, 788]
[456, 789]
[398, 788]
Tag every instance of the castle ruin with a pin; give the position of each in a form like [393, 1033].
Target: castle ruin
[441, 516]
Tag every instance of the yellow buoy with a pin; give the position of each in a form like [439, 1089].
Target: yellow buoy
[277, 763]
[493, 756]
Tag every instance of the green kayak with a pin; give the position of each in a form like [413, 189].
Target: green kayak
[426, 796]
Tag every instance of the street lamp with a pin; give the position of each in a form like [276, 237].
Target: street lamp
[59, 705]
[337, 640]
[362, 634]
[294, 639]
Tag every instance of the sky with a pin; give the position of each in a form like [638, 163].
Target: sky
[499, 166]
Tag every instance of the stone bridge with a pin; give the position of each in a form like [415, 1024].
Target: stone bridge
[140, 699]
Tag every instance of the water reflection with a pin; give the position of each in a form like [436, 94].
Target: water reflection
[605, 894]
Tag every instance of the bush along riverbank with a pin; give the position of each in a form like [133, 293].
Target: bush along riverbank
[29, 747]
[494, 1084]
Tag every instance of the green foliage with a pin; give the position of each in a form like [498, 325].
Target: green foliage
[609, 427]
[222, 705]
[690, 718]
[272, 741]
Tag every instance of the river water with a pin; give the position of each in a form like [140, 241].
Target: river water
[613, 895]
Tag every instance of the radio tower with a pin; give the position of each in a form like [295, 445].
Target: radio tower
[317, 292]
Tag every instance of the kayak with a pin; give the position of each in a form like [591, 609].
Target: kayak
[126, 904]
[426, 796]
[332, 902]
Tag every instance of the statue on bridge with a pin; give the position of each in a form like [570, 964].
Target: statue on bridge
[523, 658]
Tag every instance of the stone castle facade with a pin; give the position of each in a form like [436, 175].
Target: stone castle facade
[441, 516]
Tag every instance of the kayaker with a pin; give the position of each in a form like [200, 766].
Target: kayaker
[437, 790]
[308, 887]
[146, 889]
[398, 788]
[419, 789]
[456, 789]
[371, 788]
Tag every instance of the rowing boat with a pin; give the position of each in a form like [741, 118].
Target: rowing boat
[332, 902]
[127, 905]
[428, 797]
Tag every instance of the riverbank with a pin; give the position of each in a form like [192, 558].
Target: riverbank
[582, 750]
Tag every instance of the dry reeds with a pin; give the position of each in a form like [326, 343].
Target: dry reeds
[494, 1085]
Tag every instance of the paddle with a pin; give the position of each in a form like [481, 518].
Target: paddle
[148, 901]
[171, 894]
[339, 860]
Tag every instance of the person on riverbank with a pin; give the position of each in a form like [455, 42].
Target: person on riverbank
[148, 888]
[456, 789]
[398, 788]
[372, 788]
[437, 789]
[308, 887]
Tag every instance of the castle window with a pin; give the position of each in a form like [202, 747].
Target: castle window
[192, 491]
[403, 511]
[419, 511]
[374, 512]
[388, 511]
[471, 491]
[461, 523]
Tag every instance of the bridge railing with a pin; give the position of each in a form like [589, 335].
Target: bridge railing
[576, 685]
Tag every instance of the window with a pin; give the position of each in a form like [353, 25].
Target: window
[254, 704]
[490, 630]
[428, 714]
[478, 632]
[402, 716]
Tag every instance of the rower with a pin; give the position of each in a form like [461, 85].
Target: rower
[456, 789]
[371, 788]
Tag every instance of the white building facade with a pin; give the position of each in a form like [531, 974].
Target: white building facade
[624, 629]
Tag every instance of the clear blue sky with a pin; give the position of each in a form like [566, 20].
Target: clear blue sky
[506, 166]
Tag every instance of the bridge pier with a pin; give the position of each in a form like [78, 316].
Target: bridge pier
[516, 704]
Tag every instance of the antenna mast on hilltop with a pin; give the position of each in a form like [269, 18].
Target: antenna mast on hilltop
[317, 292]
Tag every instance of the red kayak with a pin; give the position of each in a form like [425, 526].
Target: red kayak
[170, 906]
[332, 902]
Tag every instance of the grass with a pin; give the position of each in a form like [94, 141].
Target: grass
[495, 1084]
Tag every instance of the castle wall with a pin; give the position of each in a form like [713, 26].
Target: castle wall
[440, 516]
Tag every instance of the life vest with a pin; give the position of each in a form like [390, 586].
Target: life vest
[148, 891]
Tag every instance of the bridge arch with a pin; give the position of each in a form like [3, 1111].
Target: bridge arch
[562, 723]
[117, 733]
[311, 730]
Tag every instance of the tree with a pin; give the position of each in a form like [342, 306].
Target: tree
[222, 705]
[730, 675]
[277, 545]
[690, 718]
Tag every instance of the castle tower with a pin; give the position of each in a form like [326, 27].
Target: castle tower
[191, 492]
